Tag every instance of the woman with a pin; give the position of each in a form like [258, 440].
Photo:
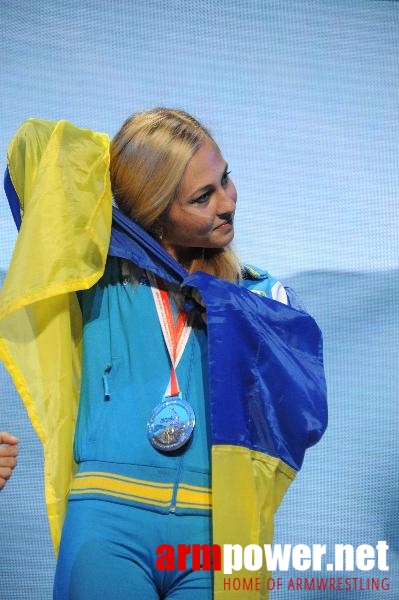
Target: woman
[176, 368]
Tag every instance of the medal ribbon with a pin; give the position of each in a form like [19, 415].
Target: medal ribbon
[175, 334]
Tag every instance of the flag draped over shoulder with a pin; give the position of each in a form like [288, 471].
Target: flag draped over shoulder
[267, 405]
[266, 381]
[267, 397]
[60, 175]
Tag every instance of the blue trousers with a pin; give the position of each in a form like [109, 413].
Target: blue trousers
[108, 551]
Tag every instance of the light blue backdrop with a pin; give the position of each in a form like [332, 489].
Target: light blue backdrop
[303, 98]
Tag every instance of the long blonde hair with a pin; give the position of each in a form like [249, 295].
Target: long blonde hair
[149, 155]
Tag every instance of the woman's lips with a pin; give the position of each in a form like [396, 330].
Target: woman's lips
[225, 225]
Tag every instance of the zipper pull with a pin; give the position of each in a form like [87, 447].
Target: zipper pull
[107, 393]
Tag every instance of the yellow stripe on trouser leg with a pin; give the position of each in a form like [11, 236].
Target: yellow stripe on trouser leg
[247, 487]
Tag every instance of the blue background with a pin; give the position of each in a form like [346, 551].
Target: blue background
[303, 98]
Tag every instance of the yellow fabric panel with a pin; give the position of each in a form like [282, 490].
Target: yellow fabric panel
[61, 175]
[248, 487]
[65, 196]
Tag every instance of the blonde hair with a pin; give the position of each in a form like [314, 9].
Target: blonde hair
[149, 156]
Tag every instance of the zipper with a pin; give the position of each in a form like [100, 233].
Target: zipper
[107, 392]
[172, 507]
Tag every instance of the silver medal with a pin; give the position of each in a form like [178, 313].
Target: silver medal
[171, 424]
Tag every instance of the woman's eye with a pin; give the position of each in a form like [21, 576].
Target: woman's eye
[225, 177]
[201, 199]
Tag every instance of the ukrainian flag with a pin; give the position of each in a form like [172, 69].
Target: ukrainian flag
[267, 397]
[267, 387]
[58, 179]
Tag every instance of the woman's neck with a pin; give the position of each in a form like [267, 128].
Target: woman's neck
[184, 256]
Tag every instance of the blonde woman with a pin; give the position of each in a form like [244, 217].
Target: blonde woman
[198, 397]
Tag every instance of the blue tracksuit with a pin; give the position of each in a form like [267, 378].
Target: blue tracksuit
[125, 373]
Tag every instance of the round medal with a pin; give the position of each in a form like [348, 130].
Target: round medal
[171, 425]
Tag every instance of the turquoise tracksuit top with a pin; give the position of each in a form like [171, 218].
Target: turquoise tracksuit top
[125, 372]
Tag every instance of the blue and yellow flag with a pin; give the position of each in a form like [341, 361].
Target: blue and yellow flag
[60, 176]
[267, 397]
[266, 380]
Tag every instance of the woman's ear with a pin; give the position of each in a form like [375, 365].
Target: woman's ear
[157, 229]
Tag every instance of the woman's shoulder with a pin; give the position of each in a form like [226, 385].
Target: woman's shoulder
[259, 281]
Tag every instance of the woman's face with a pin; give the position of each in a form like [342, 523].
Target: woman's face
[203, 213]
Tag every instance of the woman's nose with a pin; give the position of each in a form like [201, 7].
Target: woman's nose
[227, 200]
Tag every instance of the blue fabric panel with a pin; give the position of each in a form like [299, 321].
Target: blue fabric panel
[130, 241]
[12, 198]
[255, 393]
[268, 390]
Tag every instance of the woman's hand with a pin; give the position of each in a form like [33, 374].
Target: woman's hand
[8, 456]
